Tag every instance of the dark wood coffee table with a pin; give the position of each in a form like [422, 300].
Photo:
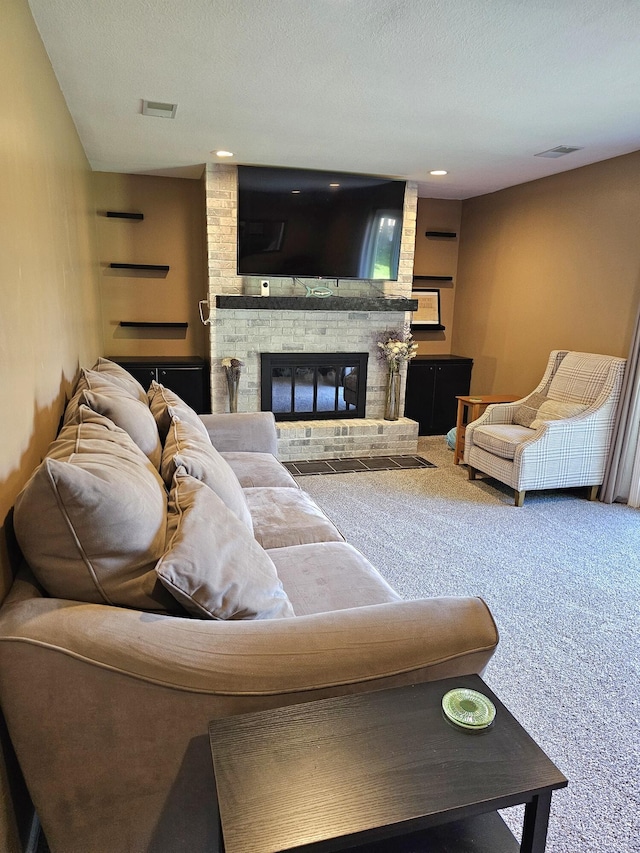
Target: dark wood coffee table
[384, 772]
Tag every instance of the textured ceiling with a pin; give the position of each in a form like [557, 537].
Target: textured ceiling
[388, 87]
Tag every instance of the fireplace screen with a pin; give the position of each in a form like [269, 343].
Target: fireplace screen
[302, 386]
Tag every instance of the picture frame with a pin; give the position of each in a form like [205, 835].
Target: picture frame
[428, 313]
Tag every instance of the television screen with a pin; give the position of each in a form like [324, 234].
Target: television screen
[301, 223]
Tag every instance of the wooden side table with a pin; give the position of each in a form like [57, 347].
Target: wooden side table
[470, 409]
[379, 772]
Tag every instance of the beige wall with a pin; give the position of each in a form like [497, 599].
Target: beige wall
[437, 257]
[49, 315]
[551, 264]
[172, 232]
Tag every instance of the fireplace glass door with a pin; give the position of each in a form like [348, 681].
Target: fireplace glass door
[314, 386]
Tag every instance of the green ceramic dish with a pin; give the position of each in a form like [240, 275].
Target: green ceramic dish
[468, 708]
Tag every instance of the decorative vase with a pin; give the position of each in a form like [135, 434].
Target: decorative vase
[392, 405]
[232, 386]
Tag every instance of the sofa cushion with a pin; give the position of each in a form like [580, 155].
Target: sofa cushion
[120, 377]
[526, 413]
[329, 576]
[284, 516]
[258, 469]
[161, 400]
[501, 439]
[91, 521]
[185, 445]
[212, 564]
[131, 415]
[554, 410]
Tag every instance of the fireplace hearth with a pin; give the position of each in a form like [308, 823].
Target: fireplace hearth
[313, 386]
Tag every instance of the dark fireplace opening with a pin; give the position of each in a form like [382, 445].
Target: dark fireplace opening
[317, 386]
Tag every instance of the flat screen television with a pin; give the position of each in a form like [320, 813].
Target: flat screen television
[312, 224]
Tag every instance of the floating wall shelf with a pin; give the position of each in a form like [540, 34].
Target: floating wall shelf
[447, 235]
[117, 214]
[433, 278]
[157, 267]
[145, 325]
[428, 327]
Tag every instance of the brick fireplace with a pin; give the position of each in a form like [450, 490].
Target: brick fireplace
[349, 321]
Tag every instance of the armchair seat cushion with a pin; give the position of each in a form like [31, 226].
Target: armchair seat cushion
[501, 439]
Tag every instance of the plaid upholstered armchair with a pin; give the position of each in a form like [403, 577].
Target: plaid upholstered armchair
[556, 437]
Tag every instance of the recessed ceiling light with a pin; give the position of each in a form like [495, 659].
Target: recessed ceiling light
[438, 172]
[559, 151]
[224, 153]
[334, 185]
[295, 192]
[157, 108]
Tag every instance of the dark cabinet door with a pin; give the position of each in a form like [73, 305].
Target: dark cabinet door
[418, 403]
[433, 383]
[187, 382]
[187, 377]
[451, 380]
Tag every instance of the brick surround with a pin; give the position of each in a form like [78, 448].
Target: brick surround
[244, 334]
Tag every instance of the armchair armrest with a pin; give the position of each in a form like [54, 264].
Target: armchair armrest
[243, 431]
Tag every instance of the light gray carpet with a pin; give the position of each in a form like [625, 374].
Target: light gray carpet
[562, 578]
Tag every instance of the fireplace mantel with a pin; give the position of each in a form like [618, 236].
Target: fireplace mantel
[316, 303]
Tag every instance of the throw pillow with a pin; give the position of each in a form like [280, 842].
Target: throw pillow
[130, 415]
[91, 522]
[121, 377]
[554, 410]
[161, 399]
[186, 446]
[212, 564]
[97, 380]
[527, 412]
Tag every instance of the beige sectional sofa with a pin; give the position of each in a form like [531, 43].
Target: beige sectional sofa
[175, 573]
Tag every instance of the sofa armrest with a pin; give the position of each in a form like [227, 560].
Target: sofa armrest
[108, 708]
[243, 431]
[427, 638]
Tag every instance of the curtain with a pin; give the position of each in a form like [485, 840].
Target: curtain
[622, 477]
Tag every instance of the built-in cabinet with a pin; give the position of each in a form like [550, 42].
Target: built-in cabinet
[433, 383]
[186, 375]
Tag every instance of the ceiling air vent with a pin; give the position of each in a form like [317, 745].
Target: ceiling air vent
[157, 108]
[560, 151]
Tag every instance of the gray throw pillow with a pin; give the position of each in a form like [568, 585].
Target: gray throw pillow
[527, 412]
[185, 445]
[91, 521]
[121, 377]
[98, 380]
[161, 400]
[131, 415]
[212, 564]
